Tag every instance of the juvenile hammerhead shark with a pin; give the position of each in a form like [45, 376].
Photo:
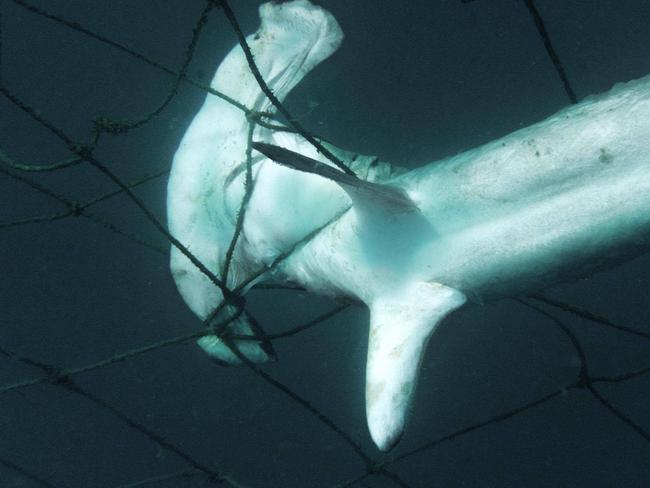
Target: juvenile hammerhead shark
[546, 204]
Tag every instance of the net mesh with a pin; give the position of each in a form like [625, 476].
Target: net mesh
[101, 382]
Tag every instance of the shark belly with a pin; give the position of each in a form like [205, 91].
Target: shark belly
[552, 241]
[545, 204]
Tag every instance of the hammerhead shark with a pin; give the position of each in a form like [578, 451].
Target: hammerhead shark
[546, 204]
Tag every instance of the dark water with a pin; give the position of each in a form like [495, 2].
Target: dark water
[414, 81]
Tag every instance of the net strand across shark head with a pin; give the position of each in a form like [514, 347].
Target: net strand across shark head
[546, 204]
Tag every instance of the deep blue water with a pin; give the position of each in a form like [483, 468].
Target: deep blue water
[414, 81]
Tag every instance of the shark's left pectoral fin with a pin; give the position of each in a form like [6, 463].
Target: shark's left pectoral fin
[363, 193]
[400, 327]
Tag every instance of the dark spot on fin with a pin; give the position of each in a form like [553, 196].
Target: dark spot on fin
[605, 156]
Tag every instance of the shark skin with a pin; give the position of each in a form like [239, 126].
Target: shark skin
[546, 204]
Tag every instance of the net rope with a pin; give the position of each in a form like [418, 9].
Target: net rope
[555, 313]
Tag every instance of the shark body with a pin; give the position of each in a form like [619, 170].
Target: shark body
[546, 204]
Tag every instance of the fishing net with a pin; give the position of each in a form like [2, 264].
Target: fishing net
[102, 383]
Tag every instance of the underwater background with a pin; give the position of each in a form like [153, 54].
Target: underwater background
[414, 81]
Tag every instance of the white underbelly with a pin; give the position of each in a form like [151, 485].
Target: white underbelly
[546, 241]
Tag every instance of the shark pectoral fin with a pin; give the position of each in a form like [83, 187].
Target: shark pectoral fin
[363, 193]
[400, 327]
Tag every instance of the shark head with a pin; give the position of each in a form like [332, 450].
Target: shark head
[203, 197]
